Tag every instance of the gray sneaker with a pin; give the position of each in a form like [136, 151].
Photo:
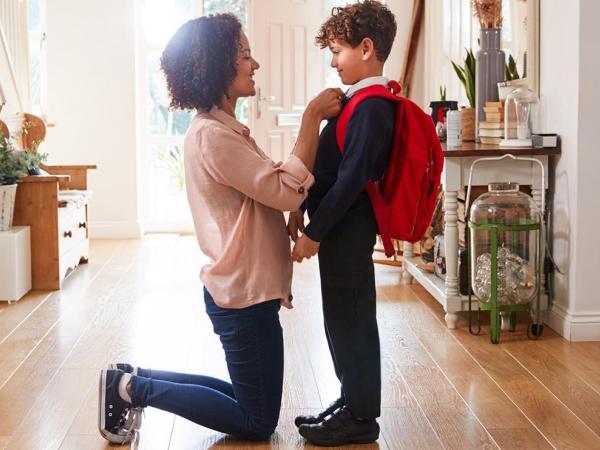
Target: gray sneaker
[118, 422]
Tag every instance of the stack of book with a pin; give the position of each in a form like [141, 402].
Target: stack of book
[491, 131]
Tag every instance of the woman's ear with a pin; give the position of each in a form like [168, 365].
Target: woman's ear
[368, 48]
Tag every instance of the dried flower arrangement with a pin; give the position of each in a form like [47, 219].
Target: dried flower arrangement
[488, 12]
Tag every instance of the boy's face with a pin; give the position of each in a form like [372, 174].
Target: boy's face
[349, 62]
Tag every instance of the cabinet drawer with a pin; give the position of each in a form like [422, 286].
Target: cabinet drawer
[72, 227]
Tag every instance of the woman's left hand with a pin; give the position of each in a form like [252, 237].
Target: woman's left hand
[286, 303]
[305, 248]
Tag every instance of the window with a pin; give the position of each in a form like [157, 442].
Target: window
[450, 28]
[162, 130]
[37, 56]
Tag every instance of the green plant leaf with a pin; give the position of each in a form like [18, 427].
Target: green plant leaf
[460, 72]
[470, 62]
[14, 163]
[512, 72]
[466, 75]
[470, 87]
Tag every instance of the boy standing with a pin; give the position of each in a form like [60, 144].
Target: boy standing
[343, 228]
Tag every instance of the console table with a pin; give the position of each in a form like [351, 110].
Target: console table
[454, 178]
[59, 232]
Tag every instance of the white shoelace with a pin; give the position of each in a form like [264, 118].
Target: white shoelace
[131, 427]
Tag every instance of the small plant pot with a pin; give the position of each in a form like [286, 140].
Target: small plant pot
[467, 124]
[7, 206]
[439, 110]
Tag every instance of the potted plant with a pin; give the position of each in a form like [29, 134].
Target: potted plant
[440, 107]
[466, 75]
[14, 165]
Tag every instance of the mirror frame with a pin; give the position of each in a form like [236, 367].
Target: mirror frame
[533, 44]
[436, 68]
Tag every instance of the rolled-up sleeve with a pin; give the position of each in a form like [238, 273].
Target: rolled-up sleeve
[232, 162]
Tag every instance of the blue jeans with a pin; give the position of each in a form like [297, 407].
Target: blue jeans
[248, 407]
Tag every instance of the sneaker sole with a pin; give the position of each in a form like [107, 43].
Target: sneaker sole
[298, 425]
[364, 439]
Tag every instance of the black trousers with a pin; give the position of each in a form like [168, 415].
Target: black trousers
[349, 309]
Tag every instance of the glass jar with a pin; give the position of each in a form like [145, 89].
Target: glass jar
[504, 245]
[520, 118]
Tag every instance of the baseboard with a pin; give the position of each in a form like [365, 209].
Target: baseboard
[580, 326]
[115, 230]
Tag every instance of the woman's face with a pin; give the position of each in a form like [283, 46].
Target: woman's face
[243, 83]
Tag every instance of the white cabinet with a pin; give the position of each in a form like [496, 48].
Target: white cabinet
[15, 263]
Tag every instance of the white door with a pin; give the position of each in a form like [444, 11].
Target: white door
[292, 69]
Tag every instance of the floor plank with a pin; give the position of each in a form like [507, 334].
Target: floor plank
[451, 418]
[559, 425]
[492, 406]
[569, 388]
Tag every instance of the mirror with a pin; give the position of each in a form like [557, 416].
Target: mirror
[520, 37]
[450, 28]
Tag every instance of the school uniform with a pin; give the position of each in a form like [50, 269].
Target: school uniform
[342, 220]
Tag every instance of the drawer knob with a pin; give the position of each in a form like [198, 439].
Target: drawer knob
[68, 234]
[82, 225]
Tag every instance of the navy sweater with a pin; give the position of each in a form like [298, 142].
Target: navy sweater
[340, 181]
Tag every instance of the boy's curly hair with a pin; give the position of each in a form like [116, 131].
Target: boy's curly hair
[353, 23]
[199, 62]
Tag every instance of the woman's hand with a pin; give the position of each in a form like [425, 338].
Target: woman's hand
[305, 248]
[295, 224]
[286, 303]
[327, 104]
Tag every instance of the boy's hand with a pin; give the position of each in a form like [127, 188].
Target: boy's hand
[305, 248]
[327, 104]
[295, 224]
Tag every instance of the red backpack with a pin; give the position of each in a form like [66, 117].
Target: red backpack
[404, 200]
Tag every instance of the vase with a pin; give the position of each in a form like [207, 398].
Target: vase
[490, 69]
[7, 205]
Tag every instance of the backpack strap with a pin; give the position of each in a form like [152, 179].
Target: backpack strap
[377, 201]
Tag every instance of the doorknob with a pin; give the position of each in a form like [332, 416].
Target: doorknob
[260, 98]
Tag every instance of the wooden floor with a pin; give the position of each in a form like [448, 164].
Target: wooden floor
[140, 301]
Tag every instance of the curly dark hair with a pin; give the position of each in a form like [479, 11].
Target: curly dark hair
[199, 62]
[353, 23]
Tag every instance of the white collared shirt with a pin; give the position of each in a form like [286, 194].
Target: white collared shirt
[365, 83]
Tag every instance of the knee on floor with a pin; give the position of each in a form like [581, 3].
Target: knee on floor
[261, 431]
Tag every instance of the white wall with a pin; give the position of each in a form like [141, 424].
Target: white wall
[91, 84]
[587, 300]
[569, 93]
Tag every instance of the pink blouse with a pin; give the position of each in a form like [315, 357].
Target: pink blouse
[237, 195]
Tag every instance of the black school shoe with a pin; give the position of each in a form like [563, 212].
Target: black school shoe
[309, 420]
[118, 422]
[341, 428]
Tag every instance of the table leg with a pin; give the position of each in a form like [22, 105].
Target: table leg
[451, 248]
[408, 252]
